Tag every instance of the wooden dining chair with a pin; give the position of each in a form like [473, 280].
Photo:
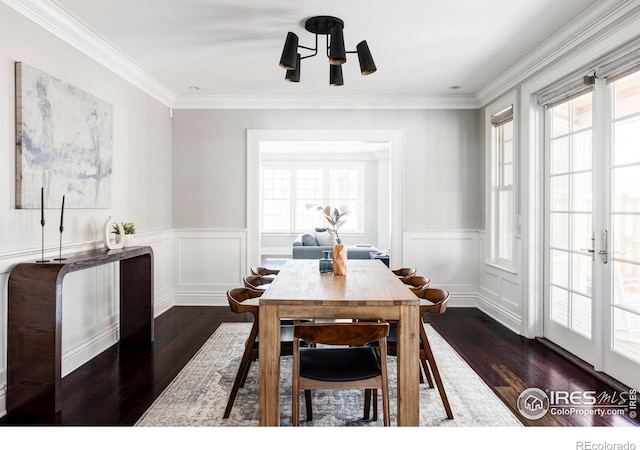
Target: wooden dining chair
[404, 272]
[264, 272]
[257, 282]
[343, 361]
[245, 301]
[432, 301]
[416, 283]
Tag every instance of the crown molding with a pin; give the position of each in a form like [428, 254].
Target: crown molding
[57, 21]
[325, 102]
[603, 17]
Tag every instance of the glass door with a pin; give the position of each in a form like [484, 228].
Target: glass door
[592, 227]
[569, 229]
[622, 349]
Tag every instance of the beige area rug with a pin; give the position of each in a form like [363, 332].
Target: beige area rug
[197, 397]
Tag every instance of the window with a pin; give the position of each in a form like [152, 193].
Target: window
[501, 226]
[288, 186]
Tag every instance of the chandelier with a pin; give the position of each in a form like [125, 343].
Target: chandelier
[332, 28]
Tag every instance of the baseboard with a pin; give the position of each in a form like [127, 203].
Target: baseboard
[76, 357]
[200, 299]
[505, 317]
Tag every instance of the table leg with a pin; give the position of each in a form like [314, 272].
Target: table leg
[269, 364]
[408, 367]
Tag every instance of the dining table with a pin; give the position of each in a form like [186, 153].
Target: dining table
[368, 291]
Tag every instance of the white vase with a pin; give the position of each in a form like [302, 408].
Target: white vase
[109, 241]
[129, 240]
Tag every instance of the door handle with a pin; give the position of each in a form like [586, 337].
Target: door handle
[604, 253]
[591, 250]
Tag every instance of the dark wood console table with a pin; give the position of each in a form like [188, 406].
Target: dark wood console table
[34, 331]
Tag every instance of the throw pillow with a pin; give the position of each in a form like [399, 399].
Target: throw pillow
[309, 240]
[324, 238]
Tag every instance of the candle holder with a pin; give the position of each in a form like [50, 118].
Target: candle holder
[60, 258]
[42, 260]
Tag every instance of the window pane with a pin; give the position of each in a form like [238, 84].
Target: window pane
[276, 215]
[626, 333]
[560, 155]
[559, 120]
[505, 225]
[581, 196]
[559, 195]
[626, 141]
[626, 285]
[581, 267]
[626, 189]
[581, 154]
[582, 112]
[560, 268]
[626, 93]
[559, 306]
[581, 232]
[581, 314]
[560, 230]
[626, 237]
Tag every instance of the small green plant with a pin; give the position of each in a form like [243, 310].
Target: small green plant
[129, 228]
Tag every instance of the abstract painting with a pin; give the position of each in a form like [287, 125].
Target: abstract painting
[64, 143]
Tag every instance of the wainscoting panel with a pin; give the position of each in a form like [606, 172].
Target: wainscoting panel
[500, 291]
[207, 264]
[448, 258]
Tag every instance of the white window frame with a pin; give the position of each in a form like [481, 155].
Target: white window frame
[493, 190]
[358, 215]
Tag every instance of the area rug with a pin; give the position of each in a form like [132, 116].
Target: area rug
[197, 397]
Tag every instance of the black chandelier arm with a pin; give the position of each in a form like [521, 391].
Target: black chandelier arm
[315, 50]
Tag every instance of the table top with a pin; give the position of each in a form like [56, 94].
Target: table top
[367, 283]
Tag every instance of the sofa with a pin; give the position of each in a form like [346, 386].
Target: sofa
[306, 246]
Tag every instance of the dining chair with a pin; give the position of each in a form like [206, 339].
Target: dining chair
[415, 282]
[338, 357]
[246, 300]
[432, 301]
[264, 272]
[256, 282]
[404, 272]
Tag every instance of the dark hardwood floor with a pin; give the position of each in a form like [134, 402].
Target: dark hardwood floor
[118, 386]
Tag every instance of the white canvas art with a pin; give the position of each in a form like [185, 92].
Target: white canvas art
[64, 142]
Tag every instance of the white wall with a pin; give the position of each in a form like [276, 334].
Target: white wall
[141, 192]
[442, 159]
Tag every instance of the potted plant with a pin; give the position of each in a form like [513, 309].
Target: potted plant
[335, 217]
[129, 230]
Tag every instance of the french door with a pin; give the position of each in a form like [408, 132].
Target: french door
[592, 226]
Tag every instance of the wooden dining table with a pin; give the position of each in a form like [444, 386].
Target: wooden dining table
[369, 290]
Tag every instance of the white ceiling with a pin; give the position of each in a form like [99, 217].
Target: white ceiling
[232, 47]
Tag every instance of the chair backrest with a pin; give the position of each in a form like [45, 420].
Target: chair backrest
[341, 333]
[254, 281]
[263, 271]
[416, 282]
[437, 300]
[405, 271]
[238, 297]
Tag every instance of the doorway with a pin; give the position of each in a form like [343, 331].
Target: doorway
[259, 140]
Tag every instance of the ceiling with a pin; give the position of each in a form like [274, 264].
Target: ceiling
[232, 48]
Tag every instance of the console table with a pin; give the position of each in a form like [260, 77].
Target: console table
[34, 329]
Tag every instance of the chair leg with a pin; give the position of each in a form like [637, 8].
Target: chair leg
[427, 372]
[307, 403]
[243, 369]
[367, 404]
[375, 405]
[436, 372]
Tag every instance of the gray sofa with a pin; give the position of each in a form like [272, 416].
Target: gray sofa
[307, 251]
